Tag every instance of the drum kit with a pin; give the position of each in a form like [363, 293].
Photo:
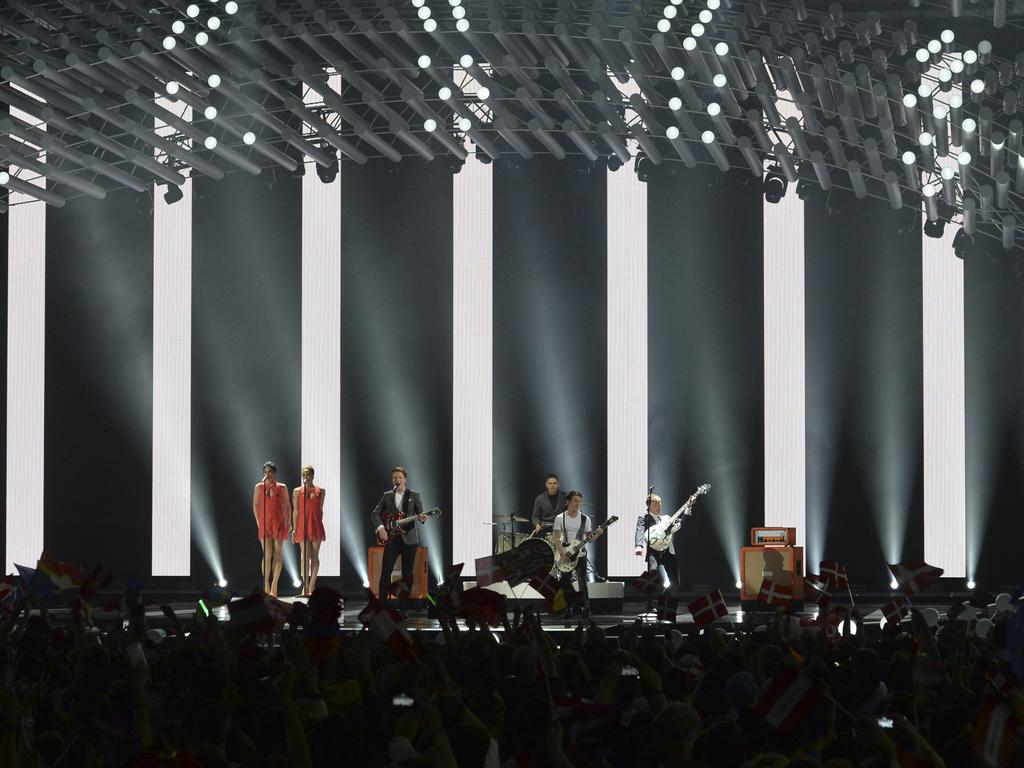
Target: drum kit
[509, 538]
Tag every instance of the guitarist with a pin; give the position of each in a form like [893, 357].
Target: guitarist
[570, 526]
[666, 558]
[399, 502]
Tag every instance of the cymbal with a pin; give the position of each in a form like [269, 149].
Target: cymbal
[503, 517]
[520, 519]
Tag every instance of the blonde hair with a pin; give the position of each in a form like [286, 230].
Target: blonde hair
[653, 497]
[309, 467]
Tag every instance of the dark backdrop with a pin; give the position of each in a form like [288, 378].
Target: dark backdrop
[99, 391]
[706, 353]
[396, 331]
[246, 320]
[550, 334]
[864, 386]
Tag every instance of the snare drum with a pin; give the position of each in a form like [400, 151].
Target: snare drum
[506, 541]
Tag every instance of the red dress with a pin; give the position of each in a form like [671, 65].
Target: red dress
[271, 505]
[309, 514]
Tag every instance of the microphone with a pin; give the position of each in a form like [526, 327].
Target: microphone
[650, 490]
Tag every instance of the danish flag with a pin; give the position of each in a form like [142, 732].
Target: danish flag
[788, 700]
[708, 608]
[648, 582]
[896, 609]
[821, 597]
[385, 623]
[488, 571]
[834, 574]
[773, 593]
[915, 576]
[548, 587]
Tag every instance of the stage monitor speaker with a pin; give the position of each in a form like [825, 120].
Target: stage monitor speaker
[419, 571]
[784, 565]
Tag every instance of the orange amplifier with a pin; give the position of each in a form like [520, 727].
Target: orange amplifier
[772, 537]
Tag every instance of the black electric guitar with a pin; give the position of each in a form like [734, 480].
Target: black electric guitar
[577, 549]
[393, 523]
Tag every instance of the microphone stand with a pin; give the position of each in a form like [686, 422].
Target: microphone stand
[305, 542]
[263, 515]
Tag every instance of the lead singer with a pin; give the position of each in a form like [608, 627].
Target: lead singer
[308, 524]
[397, 503]
[271, 509]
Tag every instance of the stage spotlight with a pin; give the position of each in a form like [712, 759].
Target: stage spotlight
[192, 11]
[893, 584]
[172, 87]
[210, 142]
[169, 43]
[970, 584]
[805, 189]
[213, 80]
[222, 583]
[962, 243]
[249, 138]
[739, 584]
[366, 584]
[173, 194]
[642, 168]
[482, 156]
[202, 38]
[231, 7]
[296, 583]
[178, 26]
[327, 174]
[613, 162]
[774, 185]
[934, 228]
[213, 23]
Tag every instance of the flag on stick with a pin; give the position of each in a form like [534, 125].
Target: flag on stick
[788, 700]
[914, 576]
[834, 574]
[708, 608]
[774, 593]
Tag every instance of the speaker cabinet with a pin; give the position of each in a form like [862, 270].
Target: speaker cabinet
[375, 555]
[783, 565]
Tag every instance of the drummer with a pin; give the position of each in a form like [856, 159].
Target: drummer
[546, 506]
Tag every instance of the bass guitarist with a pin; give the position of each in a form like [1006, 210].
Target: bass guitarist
[399, 502]
[666, 558]
[569, 526]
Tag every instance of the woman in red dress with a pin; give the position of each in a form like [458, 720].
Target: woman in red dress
[308, 524]
[270, 507]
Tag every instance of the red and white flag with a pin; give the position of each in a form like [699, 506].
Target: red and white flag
[834, 574]
[915, 576]
[995, 733]
[788, 700]
[649, 582]
[385, 623]
[708, 608]
[488, 571]
[896, 609]
[816, 593]
[773, 593]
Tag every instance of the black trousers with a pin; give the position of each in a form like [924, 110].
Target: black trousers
[666, 559]
[396, 547]
[565, 582]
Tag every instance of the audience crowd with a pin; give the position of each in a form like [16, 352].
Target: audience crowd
[208, 693]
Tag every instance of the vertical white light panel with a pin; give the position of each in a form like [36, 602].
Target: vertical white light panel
[627, 366]
[321, 345]
[785, 466]
[472, 309]
[26, 361]
[172, 374]
[945, 450]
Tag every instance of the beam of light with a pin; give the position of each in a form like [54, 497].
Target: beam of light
[353, 530]
[204, 530]
[945, 451]
[785, 457]
[473, 364]
[26, 362]
[321, 345]
[627, 366]
[172, 378]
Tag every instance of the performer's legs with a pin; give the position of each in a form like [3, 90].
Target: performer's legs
[303, 567]
[267, 565]
[581, 581]
[387, 564]
[671, 565]
[277, 567]
[313, 567]
[408, 564]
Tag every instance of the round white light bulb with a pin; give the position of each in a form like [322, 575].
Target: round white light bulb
[5, 177]
[969, 125]
[465, 124]
[947, 173]
[664, 26]
[169, 43]
[210, 142]
[940, 112]
[719, 80]
[970, 583]
[964, 158]
[445, 93]
[714, 109]
[210, 113]
[722, 49]
[423, 61]
[462, 25]
[192, 11]
[689, 43]
[714, 5]
[697, 30]
[178, 26]
[909, 158]
[924, 91]
[202, 38]
[418, 3]
[213, 22]
[231, 7]
[672, 133]
[172, 87]
[956, 66]
[483, 93]
[970, 56]
[705, 17]
[423, 13]
[249, 138]
[977, 86]
[947, 36]
[459, 12]
[678, 73]
[708, 137]
[934, 46]
[465, 61]
[910, 100]
[670, 12]
[430, 125]
[675, 103]
[213, 80]
[430, 25]
[893, 584]
[925, 139]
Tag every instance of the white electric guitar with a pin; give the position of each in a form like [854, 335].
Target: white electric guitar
[575, 550]
[659, 536]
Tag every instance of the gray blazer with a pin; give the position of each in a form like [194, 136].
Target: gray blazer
[411, 505]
